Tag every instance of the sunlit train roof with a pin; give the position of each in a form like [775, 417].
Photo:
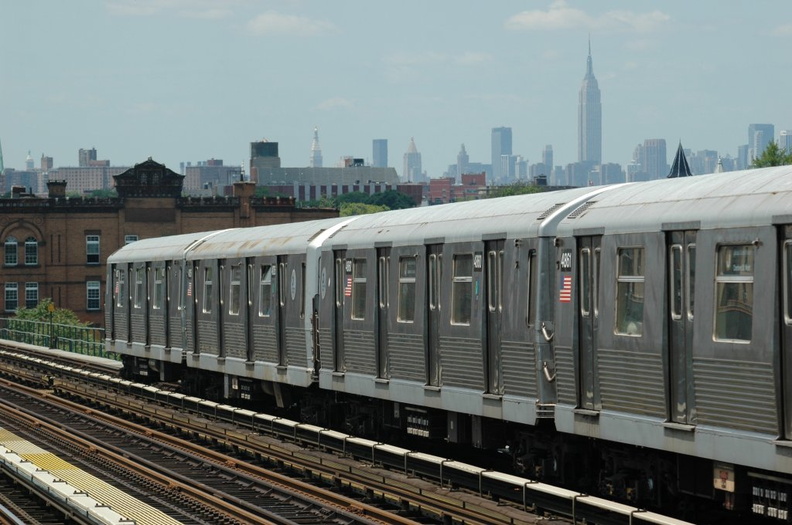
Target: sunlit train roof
[706, 200]
[513, 216]
[160, 248]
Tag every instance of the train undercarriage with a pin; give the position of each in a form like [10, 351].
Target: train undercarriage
[681, 485]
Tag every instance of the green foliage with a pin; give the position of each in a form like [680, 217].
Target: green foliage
[41, 313]
[355, 196]
[359, 208]
[261, 191]
[516, 188]
[772, 156]
[392, 199]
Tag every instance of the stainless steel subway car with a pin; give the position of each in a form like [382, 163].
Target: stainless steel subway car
[635, 338]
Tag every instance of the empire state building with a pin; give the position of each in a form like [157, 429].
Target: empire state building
[590, 118]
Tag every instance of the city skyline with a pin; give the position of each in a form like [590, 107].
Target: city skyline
[209, 77]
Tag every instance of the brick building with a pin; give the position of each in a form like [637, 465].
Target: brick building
[56, 246]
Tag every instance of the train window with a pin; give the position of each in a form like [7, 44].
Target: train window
[787, 269]
[158, 298]
[734, 293]
[585, 282]
[339, 287]
[675, 281]
[302, 294]
[208, 284]
[433, 282]
[630, 291]
[462, 289]
[691, 281]
[382, 269]
[265, 291]
[494, 280]
[282, 269]
[120, 288]
[235, 289]
[407, 272]
[140, 289]
[359, 289]
[529, 303]
[595, 280]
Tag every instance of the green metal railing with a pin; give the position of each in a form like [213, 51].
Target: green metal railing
[84, 340]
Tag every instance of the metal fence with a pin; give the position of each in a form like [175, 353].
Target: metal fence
[84, 340]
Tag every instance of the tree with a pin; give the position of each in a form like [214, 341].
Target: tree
[355, 196]
[393, 199]
[358, 208]
[772, 156]
[517, 188]
[104, 194]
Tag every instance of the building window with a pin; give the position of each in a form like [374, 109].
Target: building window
[31, 251]
[630, 291]
[407, 271]
[158, 298]
[462, 289]
[11, 252]
[235, 290]
[92, 249]
[208, 283]
[93, 302]
[130, 238]
[140, 287]
[734, 293]
[31, 295]
[265, 291]
[11, 297]
[359, 289]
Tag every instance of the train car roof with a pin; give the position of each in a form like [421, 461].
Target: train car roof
[259, 240]
[720, 200]
[167, 248]
[514, 217]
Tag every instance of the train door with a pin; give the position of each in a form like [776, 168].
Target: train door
[681, 253]
[786, 336]
[494, 283]
[588, 319]
[165, 290]
[280, 309]
[434, 273]
[383, 302]
[338, 314]
[250, 308]
[234, 311]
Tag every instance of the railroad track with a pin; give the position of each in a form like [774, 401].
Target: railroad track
[216, 490]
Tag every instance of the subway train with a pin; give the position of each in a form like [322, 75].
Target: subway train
[632, 340]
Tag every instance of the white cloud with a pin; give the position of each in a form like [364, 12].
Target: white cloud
[560, 16]
[335, 103]
[271, 23]
[783, 30]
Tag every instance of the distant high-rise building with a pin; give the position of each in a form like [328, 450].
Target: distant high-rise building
[654, 159]
[86, 156]
[413, 172]
[46, 163]
[316, 151]
[589, 118]
[680, 167]
[380, 153]
[29, 164]
[462, 162]
[501, 147]
[742, 157]
[547, 156]
[759, 136]
[785, 140]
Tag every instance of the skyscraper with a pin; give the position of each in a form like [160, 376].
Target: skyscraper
[759, 136]
[413, 172]
[463, 159]
[501, 147]
[380, 153]
[547, 156]
[316, 151]
[589, 118]
[654, 160]
[784, 142]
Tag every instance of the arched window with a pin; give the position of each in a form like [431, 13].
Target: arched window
[31, 251]
[11, 252]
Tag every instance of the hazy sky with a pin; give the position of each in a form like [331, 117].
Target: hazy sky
[189, 80]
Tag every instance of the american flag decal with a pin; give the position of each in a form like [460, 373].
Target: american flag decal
[565, 294]
[348, 288]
